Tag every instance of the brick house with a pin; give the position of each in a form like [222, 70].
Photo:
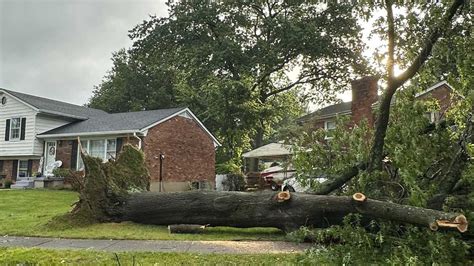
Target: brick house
[39, 131]
[364, 100]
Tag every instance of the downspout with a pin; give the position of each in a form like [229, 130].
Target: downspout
[139, 140]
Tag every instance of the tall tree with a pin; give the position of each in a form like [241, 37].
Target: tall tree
[235, 62]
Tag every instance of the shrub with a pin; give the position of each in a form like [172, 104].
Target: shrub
[385, 243]
[62, 172]
[234, 182]
[7, 183]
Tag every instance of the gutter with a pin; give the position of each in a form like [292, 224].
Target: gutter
[100, 133]
[139, 140]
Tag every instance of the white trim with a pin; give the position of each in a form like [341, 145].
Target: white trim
[100, 133]
[20, 100]
[315, 117]
[216, 142]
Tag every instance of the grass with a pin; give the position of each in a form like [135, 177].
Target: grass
[29, 213]
[24, 256]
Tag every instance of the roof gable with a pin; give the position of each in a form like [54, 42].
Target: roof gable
[53, 107]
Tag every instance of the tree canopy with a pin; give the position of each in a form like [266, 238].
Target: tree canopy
[242, 67]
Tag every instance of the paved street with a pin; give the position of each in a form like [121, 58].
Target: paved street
[223, 247]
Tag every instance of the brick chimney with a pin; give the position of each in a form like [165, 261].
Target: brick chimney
[364, 94]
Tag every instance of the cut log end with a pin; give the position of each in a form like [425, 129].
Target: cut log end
[359, 197]
[283, 196]
[460, 223]
[434, 226]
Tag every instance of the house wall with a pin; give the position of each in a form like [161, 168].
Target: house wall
[442, 94]
[12, 109]
[64, 152]
[45, 123]
[7, 169]
[189, 154]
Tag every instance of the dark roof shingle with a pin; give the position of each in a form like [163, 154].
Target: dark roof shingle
[56, 107]
[115, 122]
[330, 110]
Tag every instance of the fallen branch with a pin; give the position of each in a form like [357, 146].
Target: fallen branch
[335, 183]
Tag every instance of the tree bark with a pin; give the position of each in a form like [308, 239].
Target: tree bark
[337, 182]
[281, 210]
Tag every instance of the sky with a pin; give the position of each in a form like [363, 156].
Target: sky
[61, 49]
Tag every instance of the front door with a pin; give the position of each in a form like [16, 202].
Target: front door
[49, 155]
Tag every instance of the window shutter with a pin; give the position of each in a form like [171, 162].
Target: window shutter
[7, 130]
[1, 167]
[30, 168]
[23, 128]
[74, 155]
[15, 169]
[118, 146]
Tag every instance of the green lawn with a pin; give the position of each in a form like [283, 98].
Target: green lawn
[23, 256]
[29, 212]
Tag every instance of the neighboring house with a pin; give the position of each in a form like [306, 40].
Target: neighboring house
[38, 131]
[364, 101]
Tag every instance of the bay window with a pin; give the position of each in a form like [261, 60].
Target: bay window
[104, 149]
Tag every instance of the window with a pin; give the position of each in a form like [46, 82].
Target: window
[22, 168]
[97, 148]
[329, 126]
[15, 128]
[104, 149]
[111, 149]
[433, 117]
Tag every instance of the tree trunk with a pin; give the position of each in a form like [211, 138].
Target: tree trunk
[281, 210]
[257, 142]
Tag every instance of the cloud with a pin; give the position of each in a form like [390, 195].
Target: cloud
[61, 48]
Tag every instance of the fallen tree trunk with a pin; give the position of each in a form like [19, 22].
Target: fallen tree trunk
[281, 210]
[105, 196]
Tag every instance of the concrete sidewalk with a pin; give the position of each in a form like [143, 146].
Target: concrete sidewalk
[222, 247]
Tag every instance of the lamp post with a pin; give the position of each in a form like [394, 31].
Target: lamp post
[162, 158]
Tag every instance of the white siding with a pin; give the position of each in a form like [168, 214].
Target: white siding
[43, 124]
[15, 108]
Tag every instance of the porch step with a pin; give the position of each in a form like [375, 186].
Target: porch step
[22, 184]
[25, 179]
